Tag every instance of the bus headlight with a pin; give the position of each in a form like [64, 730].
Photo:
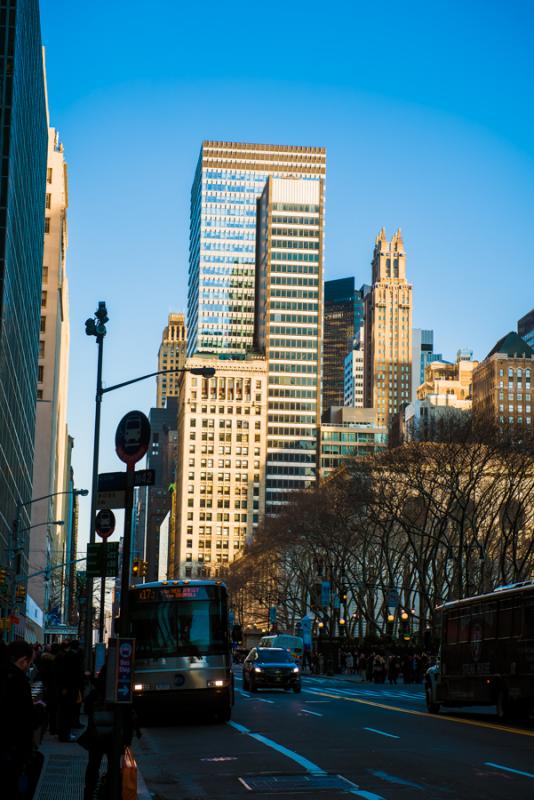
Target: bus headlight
[138, 687]
[258, 669]
[217, 684]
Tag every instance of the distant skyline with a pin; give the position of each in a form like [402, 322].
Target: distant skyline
[428, 121]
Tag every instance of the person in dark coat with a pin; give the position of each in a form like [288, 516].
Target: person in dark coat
[68, 683]
[20, 761]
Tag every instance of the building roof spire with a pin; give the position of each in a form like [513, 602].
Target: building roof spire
[381, 236]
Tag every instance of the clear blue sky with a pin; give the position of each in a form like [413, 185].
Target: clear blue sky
[427, 113]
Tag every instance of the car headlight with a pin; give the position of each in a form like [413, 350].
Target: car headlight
[296, 669]
[258, 669]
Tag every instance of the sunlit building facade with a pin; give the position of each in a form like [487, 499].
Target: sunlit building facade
[388, 330]
[171, 355]
[229, 178]
[289, 298]
[220, 474]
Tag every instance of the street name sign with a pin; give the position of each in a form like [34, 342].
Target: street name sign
[102, 560]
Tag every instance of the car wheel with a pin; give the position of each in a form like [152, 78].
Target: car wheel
[431, 705]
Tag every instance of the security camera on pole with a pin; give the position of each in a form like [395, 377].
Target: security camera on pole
[131, 443]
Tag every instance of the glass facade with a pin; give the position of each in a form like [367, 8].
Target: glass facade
[24, 139]
[288, 330]
[343, 318]
[228, 181]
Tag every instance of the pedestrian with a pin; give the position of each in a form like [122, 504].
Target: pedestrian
[68, 682]
[97, 739]
[393, 669]
[349, 663]
[20, 761]
[47, 674]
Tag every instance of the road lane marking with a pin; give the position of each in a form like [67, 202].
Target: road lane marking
[243, 694]
[382, 733]
[385, 776]
[414, 713]
[309, 766]
[307, 711]
[263, 700]
[509, 769]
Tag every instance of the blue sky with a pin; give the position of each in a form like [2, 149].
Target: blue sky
[427, 113]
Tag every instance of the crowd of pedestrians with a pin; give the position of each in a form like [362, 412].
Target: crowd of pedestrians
[42, 690]
[375, 666]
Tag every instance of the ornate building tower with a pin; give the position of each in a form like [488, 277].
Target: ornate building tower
[388, 330]
[171, 354]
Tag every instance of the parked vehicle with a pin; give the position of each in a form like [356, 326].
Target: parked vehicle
[270, 668]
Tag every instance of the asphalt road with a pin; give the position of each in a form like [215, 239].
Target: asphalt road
[337, 739]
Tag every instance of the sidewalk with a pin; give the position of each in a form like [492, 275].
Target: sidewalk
[63, 772]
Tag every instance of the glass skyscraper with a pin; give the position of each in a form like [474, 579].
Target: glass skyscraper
[343, 318]
[23, 144]
[229, 178]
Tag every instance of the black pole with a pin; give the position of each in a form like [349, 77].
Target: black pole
[88, 633]
[114, 766]
[102, 596]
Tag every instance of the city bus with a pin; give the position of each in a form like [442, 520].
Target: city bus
[182, 647]
[293, 644]
[486, 654]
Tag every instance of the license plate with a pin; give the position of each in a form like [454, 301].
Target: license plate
[163, 686]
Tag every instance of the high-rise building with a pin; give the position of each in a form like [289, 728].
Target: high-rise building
[51, 467]
[220, 473]
[343, 318]
[229, 178]
[171, 354]
[422, 354]
[23, 143]
[388, 330]
[525, 328]
[502, 383]
[289, 288]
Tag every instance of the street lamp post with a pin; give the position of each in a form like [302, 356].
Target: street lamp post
[97, 327]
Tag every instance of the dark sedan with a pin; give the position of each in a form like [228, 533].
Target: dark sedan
[270, 668]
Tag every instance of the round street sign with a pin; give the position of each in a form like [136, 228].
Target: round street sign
[105, 523]
[132, 437]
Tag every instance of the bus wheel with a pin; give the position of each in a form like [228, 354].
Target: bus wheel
[225, 713]
[431, 705]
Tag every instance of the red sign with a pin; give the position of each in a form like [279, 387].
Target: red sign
[105, 523]
[132, 437]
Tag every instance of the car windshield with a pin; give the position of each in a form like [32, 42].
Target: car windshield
[273, 655]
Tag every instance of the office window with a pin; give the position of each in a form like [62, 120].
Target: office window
[47, 225]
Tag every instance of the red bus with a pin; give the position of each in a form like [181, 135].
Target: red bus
[486, 654]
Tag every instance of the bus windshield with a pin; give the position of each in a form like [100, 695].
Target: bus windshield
[180, 628]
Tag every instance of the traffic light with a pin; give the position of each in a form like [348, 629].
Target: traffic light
[344, 594]
[405, 626]
[143, 568]
[136, 569]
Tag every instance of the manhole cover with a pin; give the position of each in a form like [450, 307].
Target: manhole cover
[294, 783]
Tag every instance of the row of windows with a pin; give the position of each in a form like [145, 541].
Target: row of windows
[304, 269]
[277, 368]
[301, 319]
[301, 458]
[297, 232]
[277, 280]
[301, 207]
[298, 293]
[296, 433]
[517, 372]
[282, 220]
[289, 244]
[291, 380]
[304, 419]
[301, 355]
[294, 256]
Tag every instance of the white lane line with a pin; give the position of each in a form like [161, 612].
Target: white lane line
[508, 769]
[244, 694]
[309, 766]
[382, 733]
[307, 711]
[262, 700]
